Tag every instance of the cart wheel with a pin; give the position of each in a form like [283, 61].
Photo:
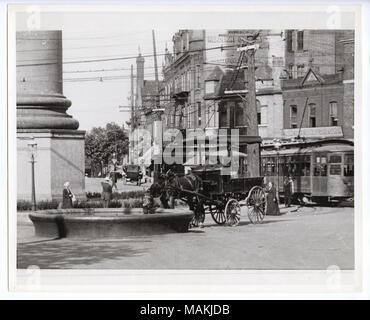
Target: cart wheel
[256, 202]
[232, 212]
[217, 214]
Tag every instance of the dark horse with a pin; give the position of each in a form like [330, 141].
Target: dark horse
[186, 187]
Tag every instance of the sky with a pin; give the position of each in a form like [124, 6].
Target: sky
[88, 36]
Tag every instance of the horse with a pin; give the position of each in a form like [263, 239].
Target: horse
[185, 187]
[158, 190]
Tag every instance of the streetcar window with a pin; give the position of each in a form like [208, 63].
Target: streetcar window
[307, 169]
[300, 169]
[320, 170]
[324, 169]
[320, 159]
[349, 170]
[349, 165]
[335, 159]
[335, 170]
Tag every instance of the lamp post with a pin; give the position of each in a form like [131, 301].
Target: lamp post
[277, 145]
[114, 161]
[32, 148]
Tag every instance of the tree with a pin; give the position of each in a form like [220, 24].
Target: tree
[102, 143]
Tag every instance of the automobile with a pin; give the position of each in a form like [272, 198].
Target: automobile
[133, 174]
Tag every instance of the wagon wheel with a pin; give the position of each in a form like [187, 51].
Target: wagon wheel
[232, 212]
[217, 214]
[199, 215]
[256, 202]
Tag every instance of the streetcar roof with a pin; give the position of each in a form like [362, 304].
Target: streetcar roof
[310, 149]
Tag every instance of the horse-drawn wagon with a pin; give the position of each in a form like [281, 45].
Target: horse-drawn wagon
[208, 190]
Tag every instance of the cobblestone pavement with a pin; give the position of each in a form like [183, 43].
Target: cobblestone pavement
[307, 238]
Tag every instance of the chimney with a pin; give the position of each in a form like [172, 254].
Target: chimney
[139, 73]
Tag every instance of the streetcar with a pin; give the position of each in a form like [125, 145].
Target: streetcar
[322, 171]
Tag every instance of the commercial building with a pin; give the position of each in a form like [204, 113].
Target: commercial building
[318, 96]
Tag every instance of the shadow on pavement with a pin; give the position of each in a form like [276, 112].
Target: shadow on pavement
[65, 254]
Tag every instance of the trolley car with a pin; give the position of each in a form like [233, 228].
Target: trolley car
[322, 170]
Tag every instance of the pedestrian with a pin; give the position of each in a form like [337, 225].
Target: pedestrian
[68, 196]
[288, 191]
[106, 194]
[272, 204]
[114, 180]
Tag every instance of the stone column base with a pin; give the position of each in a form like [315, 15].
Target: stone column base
[60, 158]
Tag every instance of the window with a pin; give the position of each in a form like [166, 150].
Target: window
[211, 115]
[312, 115]
[210, 86]
[259, 116]
[293, 116]
[349, 165]
[300, 70]
[223, 117]
[268, 166]
[335, 170]
[188, 116]
[300, 40]
[291, 71]
[289, 41]
[238, 115]
[320, 165]
[197, 76]
[333, 113]
[173, 117]
[199, 113]
[335, 159]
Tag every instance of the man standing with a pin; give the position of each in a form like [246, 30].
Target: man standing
[288, 191]
[114, 180]
[106, 194]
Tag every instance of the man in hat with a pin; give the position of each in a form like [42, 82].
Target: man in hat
[288, 191]
[106, 195]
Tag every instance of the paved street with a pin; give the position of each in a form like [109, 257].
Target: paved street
[310, 238]
[93, 185]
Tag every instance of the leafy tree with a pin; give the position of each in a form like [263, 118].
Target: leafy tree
[102, 143]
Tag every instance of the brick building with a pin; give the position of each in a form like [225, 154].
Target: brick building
[318, 96]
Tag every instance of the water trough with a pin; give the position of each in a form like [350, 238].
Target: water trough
[108, 223]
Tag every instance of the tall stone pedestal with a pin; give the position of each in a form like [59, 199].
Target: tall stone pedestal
[42, 116]
[59, 158]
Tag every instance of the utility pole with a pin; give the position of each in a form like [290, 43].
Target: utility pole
[157, 127]
[250, 110]
[131, 153]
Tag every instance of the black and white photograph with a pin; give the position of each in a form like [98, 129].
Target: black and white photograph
[147, 140]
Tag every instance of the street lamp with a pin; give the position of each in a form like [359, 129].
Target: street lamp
[114, 160]
[32, 149]
[277, 145]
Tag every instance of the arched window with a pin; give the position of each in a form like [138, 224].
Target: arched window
[333, 113]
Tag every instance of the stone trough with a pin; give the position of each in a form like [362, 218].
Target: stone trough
[108, 223]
